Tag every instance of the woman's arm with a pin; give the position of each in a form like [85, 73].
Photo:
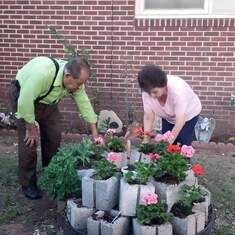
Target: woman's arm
[149, 118]
[179, 123]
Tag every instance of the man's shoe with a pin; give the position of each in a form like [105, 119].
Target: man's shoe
[32, 192]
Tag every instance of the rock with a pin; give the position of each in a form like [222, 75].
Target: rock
[109, 119]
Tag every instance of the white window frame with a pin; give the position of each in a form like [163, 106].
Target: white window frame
[141, 13]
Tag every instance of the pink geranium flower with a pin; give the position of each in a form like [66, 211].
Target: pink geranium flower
[99, 140]
[168, 136]
[150, 199]
[113, 157]
[111, 131]
[153, 156]
[187, 151]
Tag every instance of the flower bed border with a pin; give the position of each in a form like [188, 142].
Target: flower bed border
[63, 223]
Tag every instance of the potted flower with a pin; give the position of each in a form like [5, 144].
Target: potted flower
[134, 184]
[152, 217]
[186, 220]
[115, 145]
[204, 204]
[107, 223]
[171, 171]
[101, 190]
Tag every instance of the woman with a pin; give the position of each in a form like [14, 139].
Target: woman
[172, 99]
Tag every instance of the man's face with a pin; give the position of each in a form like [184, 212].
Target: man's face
[73, 84]
[158, 92]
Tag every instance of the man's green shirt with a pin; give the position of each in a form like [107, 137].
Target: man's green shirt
[35, 79]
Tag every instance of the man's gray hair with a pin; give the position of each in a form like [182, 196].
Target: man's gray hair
[75, 65]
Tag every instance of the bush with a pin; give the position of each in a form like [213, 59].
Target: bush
[60, 179]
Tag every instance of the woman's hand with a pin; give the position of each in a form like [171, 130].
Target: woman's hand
[148, 121]
[179, 123]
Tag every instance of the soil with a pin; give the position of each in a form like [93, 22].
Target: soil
[180, 211]
[78, 202]
[168, 179]
[108, 218]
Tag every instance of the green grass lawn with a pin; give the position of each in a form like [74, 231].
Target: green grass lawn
[220, 180]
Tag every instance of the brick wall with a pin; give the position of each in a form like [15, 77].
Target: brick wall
[199, 50]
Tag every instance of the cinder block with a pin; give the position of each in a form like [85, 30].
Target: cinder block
[184, 226]
[78, 216]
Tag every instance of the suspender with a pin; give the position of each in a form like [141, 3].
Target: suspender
[51, 87]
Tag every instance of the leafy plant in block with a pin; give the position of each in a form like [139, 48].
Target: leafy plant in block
[104, 169]
[60, 179]
[140, 174]
[188, 196]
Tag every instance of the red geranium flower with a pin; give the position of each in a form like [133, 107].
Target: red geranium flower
[173, 148]
[198, 169]
[139, 132]
[148, 133]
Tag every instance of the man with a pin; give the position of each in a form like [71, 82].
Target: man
[38, 88]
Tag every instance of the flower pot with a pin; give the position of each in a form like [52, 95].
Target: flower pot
[78, 215]
[130, 195]
[203, 206]
[184, 226]
[85, 172]
[169, 192]
[164, 229]
[93, 226]
[101, 194]
[200, 220]
[100, 226]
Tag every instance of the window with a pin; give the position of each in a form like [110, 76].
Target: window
[184, 8]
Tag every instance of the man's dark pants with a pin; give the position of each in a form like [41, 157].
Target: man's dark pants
[48, 118]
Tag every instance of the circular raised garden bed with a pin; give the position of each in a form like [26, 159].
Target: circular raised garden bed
[63, 223]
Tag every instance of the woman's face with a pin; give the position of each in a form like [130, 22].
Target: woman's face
[158, 92]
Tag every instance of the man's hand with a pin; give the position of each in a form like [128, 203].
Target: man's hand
[31, 135]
